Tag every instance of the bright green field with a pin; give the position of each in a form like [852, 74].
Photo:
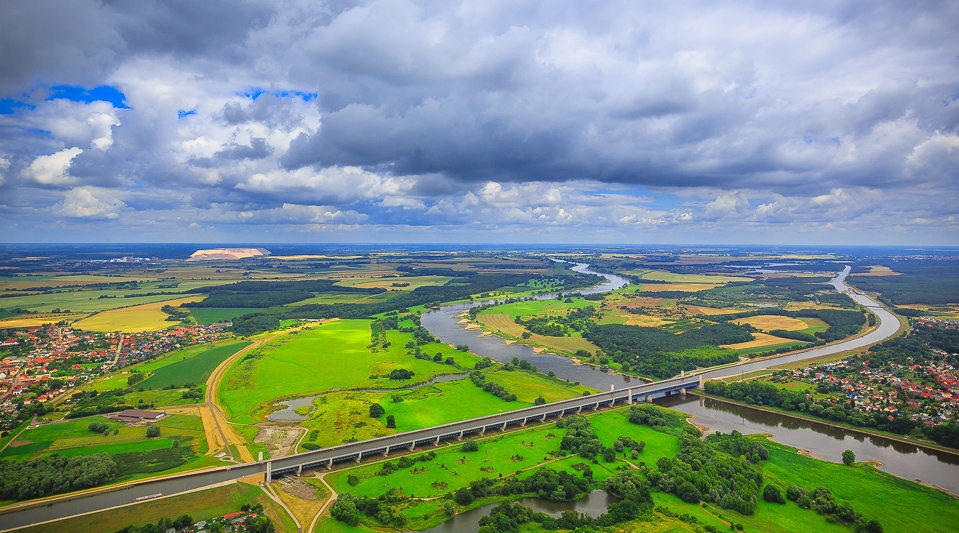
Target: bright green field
[212, 315]
[332, 355]
[196, 368]
[181, 356]
[86, 300]
[528, 386]
[539, 307]
[73, 438]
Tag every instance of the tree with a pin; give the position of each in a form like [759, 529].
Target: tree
[448, 508]
[390, 422]
[539, 401]
[470, 446]
[153, 432]
[463, 496]
[183, 521]
[345, 511]
[848, 458]
[773, 494]
[98, 427]
[376, 410]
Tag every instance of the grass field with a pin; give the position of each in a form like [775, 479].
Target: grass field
[199, 505]
[86, 301]
[710, 311]
[529, 385]
[334, 355]
[682, 287]
[73, 438]
[145, 317]
[509, 329]
[662, 275]
[539, 308]
[212, 315]
[194, 369]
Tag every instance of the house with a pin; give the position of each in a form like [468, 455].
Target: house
[139, 415]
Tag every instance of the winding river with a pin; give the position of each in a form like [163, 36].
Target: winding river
[819, 440]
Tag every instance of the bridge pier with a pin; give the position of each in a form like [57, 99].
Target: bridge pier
[269, 471]
[544, 417]
[595, 407]
[682, 392]
[412, 445]
[483, 431]
[359, 457]
[649, 398]
[437, 443]
[299, 470]
[629, 399]
[579, 410]
[386, 452]
[524, 421]
[460, 437]
[503, 429]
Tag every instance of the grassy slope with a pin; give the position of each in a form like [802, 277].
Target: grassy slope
[211, 315]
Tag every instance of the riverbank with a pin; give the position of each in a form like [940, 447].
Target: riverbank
[926, 445]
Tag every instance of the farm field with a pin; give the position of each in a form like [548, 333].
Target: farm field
[199, 505]
[762, 340]
[661, 275]
[73, 438]
[39, 319]
[771, 322]
[194, 369]
[85, 301]
[681, 287]
[314, 360]
[145, 317]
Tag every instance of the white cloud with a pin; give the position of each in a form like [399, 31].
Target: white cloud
[88, 202]
[53, 169]
[4, 165]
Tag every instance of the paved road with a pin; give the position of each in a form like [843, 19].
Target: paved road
[888, 325]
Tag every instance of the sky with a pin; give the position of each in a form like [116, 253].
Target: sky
[700, 122]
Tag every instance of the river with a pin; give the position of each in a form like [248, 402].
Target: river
[820, 440]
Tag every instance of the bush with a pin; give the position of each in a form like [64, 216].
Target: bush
[463, 496]
[376, 410]
[793, 493]
[470, 446]
[390, 422]
[848, 458]
[773, 494]
[153, 432]
[98, 427]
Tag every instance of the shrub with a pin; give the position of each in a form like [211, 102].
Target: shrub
[793, 493]
[390, 422]
[773, 494]
[153, 432]
[98, 427]
[848, 458]
[376, 410]
[470, 446]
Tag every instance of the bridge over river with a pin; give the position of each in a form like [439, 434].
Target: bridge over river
[28, 513]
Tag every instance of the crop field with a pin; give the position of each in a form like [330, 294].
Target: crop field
[73, 438]
[334, 355]
[762, 340]
[662, 275]
[118, 380]
[194, 369]
[771, 322]
[389, 282]
[199, 505]
[85, 301]
[212, 315]
[504, 324]
[145, 317]
[681, 287]
[710, 311]
[39, 319]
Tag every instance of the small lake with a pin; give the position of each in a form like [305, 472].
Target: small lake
[593, 504]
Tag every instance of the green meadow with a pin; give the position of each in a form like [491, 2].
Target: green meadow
[212, 315]
[196, 368]
[332, 355]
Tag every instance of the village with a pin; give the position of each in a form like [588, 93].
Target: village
[42, 364]
[923, 389]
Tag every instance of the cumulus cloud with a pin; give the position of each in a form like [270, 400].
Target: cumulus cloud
[53, 169]
[89, 203]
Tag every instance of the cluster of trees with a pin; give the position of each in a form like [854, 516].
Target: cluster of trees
[841, 323]
[493, 388]
[559, 326]
[269, 293]
[699, 473]
[161, 526]
[582, 440]
[349, 509]
[404, 462]
[822, 500]
[176, 315]
[54, 474]
[657, 352]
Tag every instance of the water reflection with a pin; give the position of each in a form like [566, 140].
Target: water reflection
[594, 504]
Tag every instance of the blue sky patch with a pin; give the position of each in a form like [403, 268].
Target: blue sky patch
[105, 93]
[256, 92]
[185, 113]
[8, 106]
